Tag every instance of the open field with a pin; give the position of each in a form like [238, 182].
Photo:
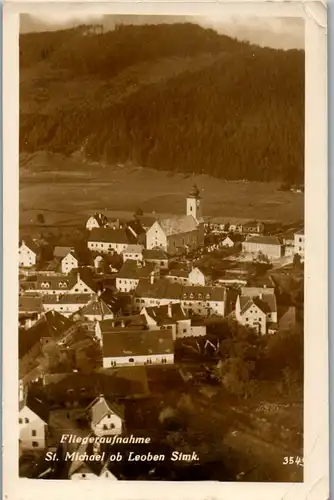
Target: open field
[67, 190]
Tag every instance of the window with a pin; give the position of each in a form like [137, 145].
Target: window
[246, 319]
[105, 427]
[112, 426]
[34, 444]
[34, 433]
[26, 420]
[131, 360]
[20, 420]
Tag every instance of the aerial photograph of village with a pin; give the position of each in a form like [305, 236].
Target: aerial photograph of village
[161, 249]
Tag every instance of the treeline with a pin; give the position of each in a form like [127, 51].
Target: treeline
[242, 117]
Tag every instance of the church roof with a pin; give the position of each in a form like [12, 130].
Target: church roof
[177, 225]
[194, 192]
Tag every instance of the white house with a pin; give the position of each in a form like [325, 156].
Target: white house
[180, 233]
[66, 304]
[28, 253]
[156, 256]
[109, 241]
[270, 246]
[133, 252]
[197, 277]
[33, 424]
[300, 244]
[95, 221]
[132, 271]
[232, 239]
[257, 308]
[69, 262]
[105, 417]
[142, 347]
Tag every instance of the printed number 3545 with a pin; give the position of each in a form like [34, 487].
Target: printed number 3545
[293, 460]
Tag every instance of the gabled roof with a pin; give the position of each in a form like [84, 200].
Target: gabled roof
[133, 270]
[101, 407]
[179, 273]
[160, 289]
[29, 303]
[137, 343]
[96, 307]
[31, 244]
[266, 302]
[108, 235]
[155, 254]
[101, 219]
[235, 237]
[60, 252]
[134, 249]
[177, 225]
[40, 408]
[56, 281]
[111, 325]
[67, 298]
[173, 312]
[264, 240]
[136, 227]
[254, 291]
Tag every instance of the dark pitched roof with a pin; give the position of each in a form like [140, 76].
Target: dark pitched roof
[107, 235]
[32, 244]
[101, 219]
[136, 227]
[133, 270]
[95, 307]
[266, 302]
[67, 298]
[160, 289]
[161, 313]
[179, 273]
[137, 343]
[51, 324]
[60, 252]
[40, 408]
[155, 254]
[30, 303]
[100, 407]
[134, 321]
[235, 237]
[177, 225]
[56, 281]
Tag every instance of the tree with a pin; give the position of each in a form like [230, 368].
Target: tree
[138, 213]
[297, 261]
[40, 219]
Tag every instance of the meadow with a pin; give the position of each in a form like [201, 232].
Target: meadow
[67, 190]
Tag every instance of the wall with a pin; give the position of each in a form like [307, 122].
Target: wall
[108, 248]
[26, 430]
[27, 258]
[155, 359]
[68, 263]
[126, 284]
[155, 237]
[113, 424]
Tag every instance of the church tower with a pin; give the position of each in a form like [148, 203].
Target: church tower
[194, 203]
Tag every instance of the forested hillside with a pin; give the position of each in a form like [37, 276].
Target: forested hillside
[174, 97]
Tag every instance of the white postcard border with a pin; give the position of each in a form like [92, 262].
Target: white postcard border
[316, 431]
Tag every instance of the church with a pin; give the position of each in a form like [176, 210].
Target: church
[179, 233]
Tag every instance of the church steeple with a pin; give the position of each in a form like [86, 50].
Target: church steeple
[194, 203]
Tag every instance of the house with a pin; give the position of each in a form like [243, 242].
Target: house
[257, 308]
[50, 327]
[143, 347]
[232, 239]
[179, 233]
[299, 244]
[122, 323]
[33, 423]
[54, 284]
[59, 252]
[30, 309]
[96, 310]
[269, 246]
[288, 240]
[133, 252]
[177, 275]
[174, 318]
[105, 417]
[198, 276]
[253, 227]
[29, 252]
[131, 272]
[235, 227]
[109, 241]
[69, 262]
[67, 304]
[203, 301]
[157, 256]
[215, 225]
[135, 228]
[96, 221]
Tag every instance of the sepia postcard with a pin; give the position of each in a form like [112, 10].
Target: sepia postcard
[165, 251]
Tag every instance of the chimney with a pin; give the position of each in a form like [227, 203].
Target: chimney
[122, 324]
[151, 278]
[261, 296]
[99, 293]
[169, 310]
